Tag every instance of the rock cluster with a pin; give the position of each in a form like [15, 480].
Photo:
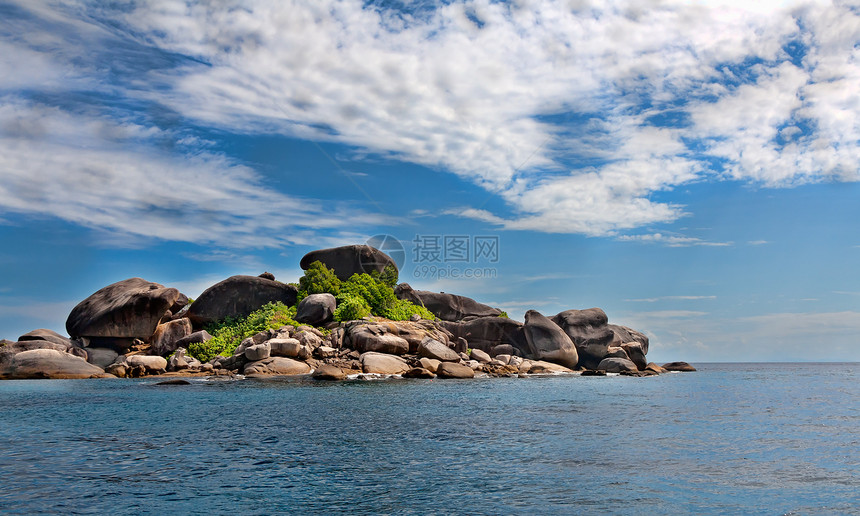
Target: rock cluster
[136, 328]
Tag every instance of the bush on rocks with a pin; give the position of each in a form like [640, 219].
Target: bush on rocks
[229, 333]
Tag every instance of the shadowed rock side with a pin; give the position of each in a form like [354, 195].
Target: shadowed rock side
[349, 259]
[129, 309]
[448, 307]
[238, 296]
[136, 328]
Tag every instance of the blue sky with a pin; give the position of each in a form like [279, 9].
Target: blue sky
[690, 167]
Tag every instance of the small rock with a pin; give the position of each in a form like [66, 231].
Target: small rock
[175, 381]
[480, 356]
[432, 348]
[285, 347]
[431, 364]
[329, 372]
[418, 372]
[267, 275]
[616, 365]
[679, 366]
[151, 363]
[382, 363]
[258, 352]
[277, 366]
[454, 370]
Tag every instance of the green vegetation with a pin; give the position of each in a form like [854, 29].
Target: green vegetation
[318, 279]
[504, 314]
[350, 308]
[229, 333]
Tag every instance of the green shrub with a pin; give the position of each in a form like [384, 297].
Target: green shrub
[388, 275]
[229, 333]
[350, 308]
[318, 279]
[504, 314]
[402, 310]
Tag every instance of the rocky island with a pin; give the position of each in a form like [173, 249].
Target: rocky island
[345, 318]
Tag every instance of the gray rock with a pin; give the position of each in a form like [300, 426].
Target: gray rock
[502, 349]
[329, 372]
[432, 348]
[120, 370]
[504, 359]
[128, 309]
[49, 363]
[373, 338]
[151, 363]
[101, 357]
[285, 347]
[381, 363]
[616, 365]
[195, 338]
[449, 307]
[624, 334]
[419, 372]
[168, 335]
[544, 367]
[258, 352]
[238, 296]
[348, 260]
[454, 370]
[548, 342]
[316, 309]
[616, 352]
[636, 354]
[487, 333]
[430, 364]
[48, 335]
[480, 356]
[277, 366]
[651, 366]
[679, 366]
[324, 352]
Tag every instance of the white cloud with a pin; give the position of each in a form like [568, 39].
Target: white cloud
[672, 240]
[758, 242]
[107, 176]
[671, 298]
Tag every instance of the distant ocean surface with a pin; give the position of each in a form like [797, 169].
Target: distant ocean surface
[729, 439]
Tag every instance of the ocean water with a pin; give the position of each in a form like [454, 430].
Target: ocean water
[729, 439]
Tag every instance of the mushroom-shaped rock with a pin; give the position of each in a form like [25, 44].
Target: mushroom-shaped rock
[448, 307]
[350, 259]
[548, 342]
[381, 363]
[432, 348]
[316, 309]
[238, 296]
[128, 309]
[49, 363]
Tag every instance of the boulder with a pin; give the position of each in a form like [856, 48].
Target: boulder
[168, 335]
[258, 352]
[679, 366]
[418, 372]
[616, 352]
[195, 338]
[430, 364]
[324, 352]
[636, 354]
[616, 365]
[238, 296]
[179, 305]
[480, 356]
[651, 366]
[543, 367]
[151, 363]
[11, 349]
[348, 260]
[487, 333]
[128, 309]
[589, 332]
[454, 370]
[285, 347]
[49, 363]
[329, 372]
[101, 357]
[432, 348]
[374, 337]
[624, 334]
[548, 342]
[316, 309]
[48, 335]
[381, 363]
[448, 307]
[277, 366]
[267, 275]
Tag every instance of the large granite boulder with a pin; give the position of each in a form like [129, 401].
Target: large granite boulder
[548, 342]
[48, 335]
[316, 309]
[350, 259]
[616, 365]
[448, 307]
[679, 366]
[636, 354]
[277, 366]
[378, 338]
[49, 363]
[590, 333]
[101, 357]
[128, 309]
[168, 336]
[432, 348]
[624, 335]
[487, 333]
[381, 363]
[9, 349]
[150, 363]
[454, 370]
[238, 296]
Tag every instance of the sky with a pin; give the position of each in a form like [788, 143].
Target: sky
[693, 168]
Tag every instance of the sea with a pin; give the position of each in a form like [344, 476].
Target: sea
[772, 438]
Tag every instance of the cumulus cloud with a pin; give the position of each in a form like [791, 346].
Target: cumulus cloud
[577, 115]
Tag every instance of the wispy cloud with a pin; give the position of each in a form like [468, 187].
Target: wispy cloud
[672, 314]
[670, 298]
[758, 242]
[672, 240]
